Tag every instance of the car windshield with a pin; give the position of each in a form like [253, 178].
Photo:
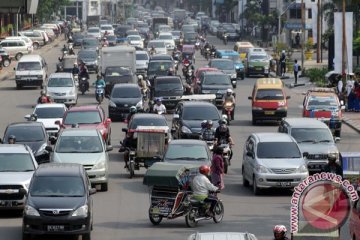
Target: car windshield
[87, 54]
[142, 56]
[117, 71]
[26, 133]
[134, 38]
[93, 30]
[111, 37]
[312, 135]
[318, 102]
[28, 66]
[79, 144]
[166, 37]
[168, 85]
[269, 94]
[187, 152]
[201, 113]
[235, 58]
[276, 150]
[82, 117]
[160, 68]
[176, 34]
[190, 35]
[51, 112]
[60, 82]
[126, 92]
[16, 162]
[156, 44]
[223, 65]
[90, 42]
[258, 58]
[55, 186]
[217, 80]
[147, 121]
[106, 28]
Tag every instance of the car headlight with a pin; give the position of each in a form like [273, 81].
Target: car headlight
[282, 108]
[237, 67]
[112, 104]
[99, 165]
[302, 169]
[139, 105]
[261, 169]
[185, 129]
[257, 108]
[30, 211]
[81, 211]
[206, 91]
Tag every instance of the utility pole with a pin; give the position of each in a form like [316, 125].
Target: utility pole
[303, 35]
[343, 70]
[321, 31]
[318, 32]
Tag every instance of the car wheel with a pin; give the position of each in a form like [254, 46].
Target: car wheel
[18, 56]
[245, 182]
[36, 45]
[256, 190]
[86, 236]
[26, 236]
[104, 187]
[6, 62]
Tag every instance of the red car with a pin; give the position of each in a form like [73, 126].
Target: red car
[92, 116]
[198, 73]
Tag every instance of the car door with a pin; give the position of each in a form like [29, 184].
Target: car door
[249, 160]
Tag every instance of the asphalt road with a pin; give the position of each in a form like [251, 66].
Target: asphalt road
[121, 213]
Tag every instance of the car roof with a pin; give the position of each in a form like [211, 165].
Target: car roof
[50, 105]
[221, 60]
[305, 123]
[13, 148]
[84, 108]
[61, 74]
[30, 57]
[59, 169]
[142, 52]
[148, 115]
[79, 132]
[207, 69]
[198, 104]
[214, 73]
[269, 83]
[25, 124]
[273, 137]
[126, 85]
[187, 142]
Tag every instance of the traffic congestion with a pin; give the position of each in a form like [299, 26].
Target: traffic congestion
[166, 125]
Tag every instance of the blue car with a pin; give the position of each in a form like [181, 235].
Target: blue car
[235, 56]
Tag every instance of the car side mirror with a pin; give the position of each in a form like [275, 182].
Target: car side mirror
[249, 97]
[49, 148]
[92, 191]
[22, 191]
[250, 154]
[176, 116]
[337, 139]
[109, 148]
[305, 154]
[27, 117]
[125, 130]
[288, 97]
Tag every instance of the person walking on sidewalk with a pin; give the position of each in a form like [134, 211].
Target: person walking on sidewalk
[296, 70]
[283, 63]
[350, 93]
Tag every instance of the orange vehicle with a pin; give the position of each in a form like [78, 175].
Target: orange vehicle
[323, 104]
[268, 100]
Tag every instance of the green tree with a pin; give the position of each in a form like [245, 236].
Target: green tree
[47, 7]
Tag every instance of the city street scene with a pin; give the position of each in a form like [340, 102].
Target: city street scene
[181, 120]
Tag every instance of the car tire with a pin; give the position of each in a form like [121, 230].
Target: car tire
[26, 236]
[6, 62]
[245, 182]
[256, 190]
[36, 45]
[18, 86]
[104, 187]
[86, 236]
[18, 56]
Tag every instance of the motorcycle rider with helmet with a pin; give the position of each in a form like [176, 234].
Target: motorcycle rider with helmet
[222, 134]
[43, 98]
[280, 232]
[11, 139]
[152, 50]
[208, 134]
[75, 70]
[132, 111]
[105, 42]
[229, 97]
[159, 107]
[84, 73]
[201, 186]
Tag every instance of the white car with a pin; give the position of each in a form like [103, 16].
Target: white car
[159, 46]
[222, 236]
[135, 41]
[168, 39]
[61, 87]
[94, 32]
[142, 61]
[48, 114]
[106, 28]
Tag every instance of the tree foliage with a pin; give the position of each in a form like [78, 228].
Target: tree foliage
[47, 7]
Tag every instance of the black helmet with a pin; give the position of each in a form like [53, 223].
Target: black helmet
[223, 128]
[219, 150]
[11, 137]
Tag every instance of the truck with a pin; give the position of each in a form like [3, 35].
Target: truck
[119, 56]
[159, 21]
[93, 21]
[179, 14]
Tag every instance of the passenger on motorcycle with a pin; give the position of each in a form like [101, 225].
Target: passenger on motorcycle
[43, 98]
[201, 186]
[132, 111]
[208, 134]
[159, 107]
[229, 97]
[280, 232]
[171, 72]
[105, 42]
[84, 73]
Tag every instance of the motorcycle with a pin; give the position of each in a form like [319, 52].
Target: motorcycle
[99, 93]
[189, 76]
[212, 53]
[146, 94]
[207, 53]
[83, 85]
[197, 45]
[227, 153]
[228, 109]
[225, 39]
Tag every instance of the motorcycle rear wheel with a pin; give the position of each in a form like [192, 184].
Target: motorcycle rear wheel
[155, 219]
[226, 165]
[190, 219]
[132, 169]
[218, 212]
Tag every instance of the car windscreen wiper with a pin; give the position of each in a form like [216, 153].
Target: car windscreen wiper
[303, 141]
[325, 140]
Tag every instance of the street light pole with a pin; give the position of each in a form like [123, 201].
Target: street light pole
[318, 32]
[303, 34]
[344, 60]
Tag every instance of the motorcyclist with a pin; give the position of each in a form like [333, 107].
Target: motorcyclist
[99, 81]
[71, 51]
[201, 186]
[229, 97]
[65, 48]
[84, 73]
[11, 139]
[187, 61]
[75, 70]
[105, 42]
[159, 107]
[132, 111]
[208, 134]
[105, 34]
[222, 132]
[142, 84]
[280, 232]
[152, 50]
[332, 166]
[171, 72]
[43, 98]
[128, 142]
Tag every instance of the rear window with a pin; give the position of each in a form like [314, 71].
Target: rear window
[269, 94]
[82, 117]
[28, 66]
[201, 113]
[126, 92]
[50, 112]
[258, 57]
[223, 65]
[147, 121]
[276, 150]
[93, 30]
[217, 80]
[168, 84]
[322, 102]
[142, 56]
[26, 133]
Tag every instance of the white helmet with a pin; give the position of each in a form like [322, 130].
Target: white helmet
[229, 90]
[140, 77]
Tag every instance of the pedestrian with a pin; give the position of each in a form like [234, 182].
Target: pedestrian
[296, 70]
[333, 166]
[350, 94]
[217, 168]
[282, 63]
[340, 86]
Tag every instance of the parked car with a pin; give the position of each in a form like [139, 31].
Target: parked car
[36, 37]
[17, 166]
[62, 88]
[266, 165]
[31, 70]
[6, 60]
[85, 147]
[15, 48]
[59, 202]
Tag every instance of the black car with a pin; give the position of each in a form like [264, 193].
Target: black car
[114, 75]
[122, 97]
[66, 64]
[90, 43]
[6, 61]
[170, 89]
[32, 134]
[188, 116]
[112, 40]
[161, 57]
[158, 68]
[90, 58]
[59, 202]
[77, 38]
[190, 38]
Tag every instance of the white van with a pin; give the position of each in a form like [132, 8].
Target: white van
[16, 48]
[28, 41]
[31, 70]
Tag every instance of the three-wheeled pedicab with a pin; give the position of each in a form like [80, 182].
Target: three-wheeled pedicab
[188, 51]
[151, 143]
[171, 195]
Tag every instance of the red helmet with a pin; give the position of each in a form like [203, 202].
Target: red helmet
[279, 232]
[204, 169]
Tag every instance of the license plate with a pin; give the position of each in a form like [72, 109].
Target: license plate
[55, 228]
[269, 112]
[155, 210]
[258, 69]
[284, 184]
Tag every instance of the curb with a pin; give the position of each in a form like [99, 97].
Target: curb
[352, 124]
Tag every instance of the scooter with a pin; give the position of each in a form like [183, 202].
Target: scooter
[207, 53]
[99, 93]
[228, 109]
[83, 85]
[226, 154]
[197, 45]
[225, 36]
